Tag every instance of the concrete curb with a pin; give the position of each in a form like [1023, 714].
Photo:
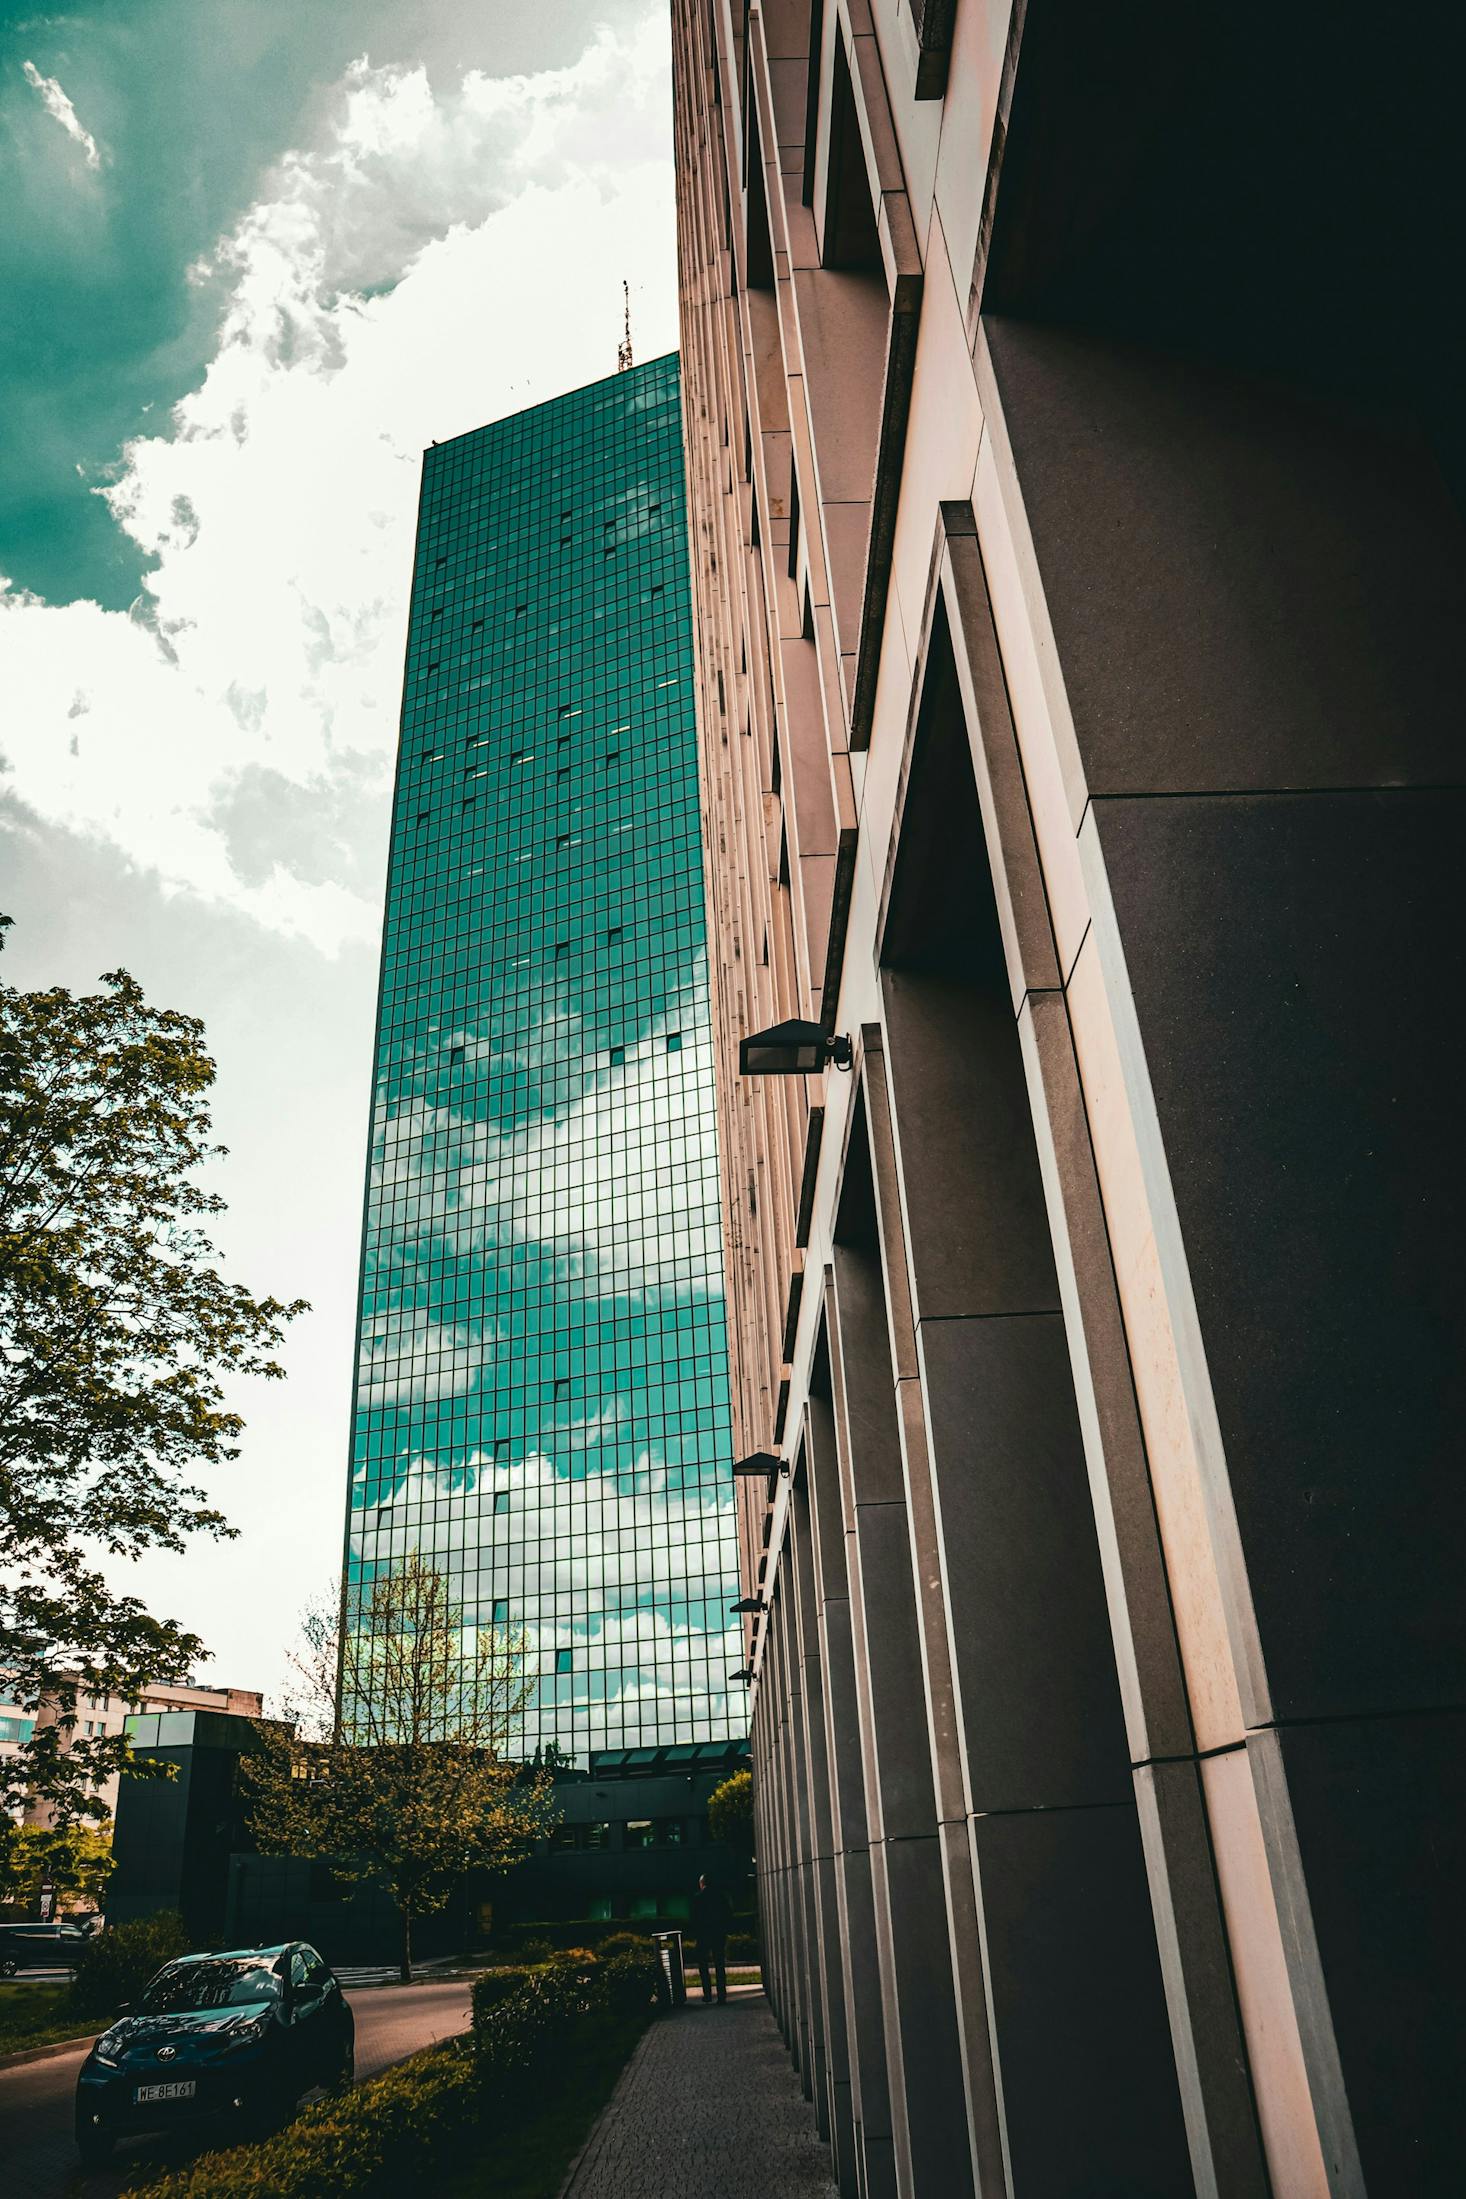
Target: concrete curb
[45, 2053]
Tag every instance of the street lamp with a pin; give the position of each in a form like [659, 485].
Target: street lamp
[792, 1049]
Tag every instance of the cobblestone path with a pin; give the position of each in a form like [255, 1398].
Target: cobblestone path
[707, 2108]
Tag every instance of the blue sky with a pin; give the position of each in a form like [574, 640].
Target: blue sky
[255, 258]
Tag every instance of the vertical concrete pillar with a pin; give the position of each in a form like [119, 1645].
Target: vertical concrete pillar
[859, 1961]
[923, 2052]
[832, 2097]
[808, 2042]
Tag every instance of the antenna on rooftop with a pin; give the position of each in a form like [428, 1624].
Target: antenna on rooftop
[623, 349]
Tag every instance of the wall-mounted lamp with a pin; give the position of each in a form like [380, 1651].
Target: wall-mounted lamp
[792, 1049]
[763, 1463]
[748, 1603]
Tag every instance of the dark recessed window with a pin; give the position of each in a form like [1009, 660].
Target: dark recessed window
[658, 589]
[562, 1386]
[674, 1042]
[562, 839]
[501, 1500]
[457, 1054]
[613, 936]
[501, 1449]
[423, 815]
[562, 1660]
[440, 562]
[501, 1610]
[613, 756]
[562, 948]
[520, 609]
[618, 1056]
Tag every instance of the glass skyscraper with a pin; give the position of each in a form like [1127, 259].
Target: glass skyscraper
[542, 1390]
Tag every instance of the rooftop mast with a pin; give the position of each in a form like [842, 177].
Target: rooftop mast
[623, 349]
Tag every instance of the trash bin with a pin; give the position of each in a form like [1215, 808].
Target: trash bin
[674, 1973]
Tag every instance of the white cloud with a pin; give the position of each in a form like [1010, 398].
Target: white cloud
[56, 103]
[627, 1563]
[440, 257]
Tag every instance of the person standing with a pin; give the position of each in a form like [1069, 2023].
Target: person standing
[712, 1913]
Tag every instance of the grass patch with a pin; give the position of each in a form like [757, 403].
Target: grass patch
[32, 2015]
[529, 2160]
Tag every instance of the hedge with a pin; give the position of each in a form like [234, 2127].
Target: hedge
[524, 1941]
[378, 2139]
[118, 1963]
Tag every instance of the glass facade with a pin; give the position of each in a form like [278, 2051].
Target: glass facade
[542, 1388]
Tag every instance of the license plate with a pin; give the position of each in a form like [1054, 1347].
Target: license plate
[183, 2089]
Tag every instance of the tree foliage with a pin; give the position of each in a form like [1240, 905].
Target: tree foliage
[403, 1777]
[75, 1859]
[730, 1811]
[117, 1334]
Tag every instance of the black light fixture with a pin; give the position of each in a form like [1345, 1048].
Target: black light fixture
[763, 1463]
[792, 1049]
[743, 1673]
[748, 1603]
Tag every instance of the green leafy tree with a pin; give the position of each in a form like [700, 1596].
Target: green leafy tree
[75, 1859]
[117, 1333]
[730, 1812]
[400, 1774]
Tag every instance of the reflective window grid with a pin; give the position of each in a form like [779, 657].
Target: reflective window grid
[542, 1387]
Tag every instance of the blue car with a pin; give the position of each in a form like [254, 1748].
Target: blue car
[230, 2041]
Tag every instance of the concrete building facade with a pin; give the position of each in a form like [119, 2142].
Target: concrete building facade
[1074, 453]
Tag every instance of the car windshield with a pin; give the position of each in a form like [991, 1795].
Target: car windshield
[232, 1983]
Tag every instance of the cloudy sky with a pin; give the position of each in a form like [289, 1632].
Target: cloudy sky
[254, 257]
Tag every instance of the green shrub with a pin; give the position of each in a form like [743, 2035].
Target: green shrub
[535, 1950]
[492, 1986]
[117, 1964]
[626, 1943]
[744, 1947]
[389, 2133]
[517, 2035]
[373, 2140]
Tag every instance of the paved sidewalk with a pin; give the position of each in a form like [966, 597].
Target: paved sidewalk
[707, 2104]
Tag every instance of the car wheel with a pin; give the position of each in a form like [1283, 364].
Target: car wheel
[94, 2146]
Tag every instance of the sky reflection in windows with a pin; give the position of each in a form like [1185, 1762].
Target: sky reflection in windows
[542, 1387]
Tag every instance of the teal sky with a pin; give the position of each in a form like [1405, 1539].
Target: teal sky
[255, 255]
[190, 103]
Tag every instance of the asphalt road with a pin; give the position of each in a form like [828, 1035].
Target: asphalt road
[37, 2154]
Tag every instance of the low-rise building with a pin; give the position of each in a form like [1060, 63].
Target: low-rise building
[108, 1714]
